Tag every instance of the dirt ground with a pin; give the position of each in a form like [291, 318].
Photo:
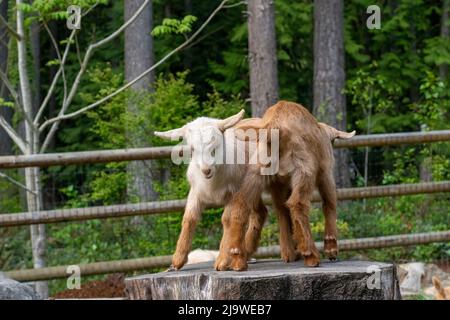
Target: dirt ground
[444, 265]
[112, 287]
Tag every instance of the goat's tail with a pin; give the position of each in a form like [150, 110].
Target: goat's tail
[333, 133]
[438, 286]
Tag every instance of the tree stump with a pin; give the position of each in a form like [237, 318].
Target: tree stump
[270, 280]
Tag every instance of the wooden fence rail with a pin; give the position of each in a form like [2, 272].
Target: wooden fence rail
[147, 208]
[272, 251]
[118, 155]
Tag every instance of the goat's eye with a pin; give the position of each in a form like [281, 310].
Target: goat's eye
[213, 153]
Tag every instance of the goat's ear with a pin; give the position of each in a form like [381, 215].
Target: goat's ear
[333, 133]
[231, 121]
[346, 135]
[174, 134]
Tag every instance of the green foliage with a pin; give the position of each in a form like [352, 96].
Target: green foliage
[399, 215]
[15, 247]
[56, 9]
[5, 103]
[53, 62]
[173, 103]
[437, 51]
[174, 26]
[404, 167]
[371, 93]
[108, 119]
[433, 109]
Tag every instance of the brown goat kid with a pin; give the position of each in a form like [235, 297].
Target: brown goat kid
[306, 162]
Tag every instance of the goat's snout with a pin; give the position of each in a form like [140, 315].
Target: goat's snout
[207, 172]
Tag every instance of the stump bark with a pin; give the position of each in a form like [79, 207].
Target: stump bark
[270, 280]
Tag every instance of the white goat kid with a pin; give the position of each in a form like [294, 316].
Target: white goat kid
[213, 181]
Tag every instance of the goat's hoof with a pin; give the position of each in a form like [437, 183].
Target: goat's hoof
[221, 268]
[335, 259]
[331, 255]
[311, 260]
[178, 261]
[171, 269]
[330, 248]
[290, 256]
[251, 261]
[222, 264]
[239, 263]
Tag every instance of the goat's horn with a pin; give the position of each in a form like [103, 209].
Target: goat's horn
[174, 134]
[231, 121]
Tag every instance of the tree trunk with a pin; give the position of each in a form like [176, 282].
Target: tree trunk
[445, 33]
[262, 52]
[6, 143]
[32, 177]
[35, 41]
[329, 75]
[138, 58]
[38, 232]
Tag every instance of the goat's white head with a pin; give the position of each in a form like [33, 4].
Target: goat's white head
[205, 138]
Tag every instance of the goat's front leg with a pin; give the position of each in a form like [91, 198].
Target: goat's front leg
[233, 254]
[191, 217]
[246, 200]
[236, 235]
[252, 237]
[223, 261]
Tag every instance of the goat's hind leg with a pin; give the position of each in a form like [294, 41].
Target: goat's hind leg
[327, 190]
[254, 229]
[299, 204]
[279, 195]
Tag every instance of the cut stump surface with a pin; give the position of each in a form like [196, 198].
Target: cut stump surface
[271, 279]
